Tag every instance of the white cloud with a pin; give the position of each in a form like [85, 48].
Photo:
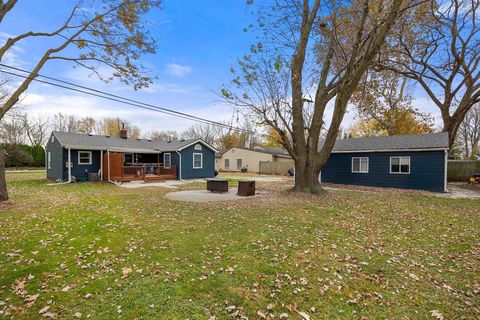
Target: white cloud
[146, 120]
[177, 70]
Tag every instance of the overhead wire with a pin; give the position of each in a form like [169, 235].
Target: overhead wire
[112, 97]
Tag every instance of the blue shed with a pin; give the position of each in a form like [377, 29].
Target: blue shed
[73, 156]
[404, 161]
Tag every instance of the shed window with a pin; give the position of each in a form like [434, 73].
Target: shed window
[49, 160]
[360, 164]
[167, 159]
[197, 161]
[227, 164]
[400, 165]
[84, 157]
[239, 164]
[198, 147]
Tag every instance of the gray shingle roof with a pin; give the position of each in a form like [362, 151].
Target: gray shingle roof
[401, 142]
[86, 141]
[273, 151]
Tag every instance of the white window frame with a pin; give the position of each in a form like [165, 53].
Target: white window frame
[225, 161]
[198, 147]
[241, 163]
[89, 158]
[400, 165]
[169, 160]
[49, 160]
[360, 164]
[201, 160]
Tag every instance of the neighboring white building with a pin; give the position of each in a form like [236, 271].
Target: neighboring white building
[236, 159]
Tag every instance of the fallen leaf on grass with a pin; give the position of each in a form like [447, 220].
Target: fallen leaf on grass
[436, 314]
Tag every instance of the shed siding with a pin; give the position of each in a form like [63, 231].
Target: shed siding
[56, 162]
[427, 170]
[81, 171]
[188, 172]
[250, 159]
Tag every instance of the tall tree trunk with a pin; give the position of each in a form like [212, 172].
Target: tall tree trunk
[307, 170]
[3, 182]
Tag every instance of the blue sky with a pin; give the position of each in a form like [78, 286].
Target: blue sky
[198, 42]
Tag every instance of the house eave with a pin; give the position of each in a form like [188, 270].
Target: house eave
[195, 142]
[391, 150]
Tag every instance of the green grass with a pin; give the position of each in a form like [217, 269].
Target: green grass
[347, 254]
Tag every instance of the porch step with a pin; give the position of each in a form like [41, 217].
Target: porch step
[153, 178]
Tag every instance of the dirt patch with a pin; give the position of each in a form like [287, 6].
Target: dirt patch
[6, 204]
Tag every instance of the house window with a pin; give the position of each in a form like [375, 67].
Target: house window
[197, 161]
[227, 164]
[52, 139]
[239, 164]
[84, 157]
[360, 164]
[128, 158]
[198, 147]
[167, 159]
[49, 160]
[400, 165]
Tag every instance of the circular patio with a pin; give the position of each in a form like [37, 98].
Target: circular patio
[208, 196]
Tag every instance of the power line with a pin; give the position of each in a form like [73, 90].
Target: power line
[112, 97]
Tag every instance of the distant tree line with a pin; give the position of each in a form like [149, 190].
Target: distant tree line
[23, 136]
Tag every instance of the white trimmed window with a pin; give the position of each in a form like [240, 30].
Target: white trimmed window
[227, 164]
[167, 159]
[49, 160]
[197, 161]
[198, 147]
[400, 165]
[84, 157]
[360, 164]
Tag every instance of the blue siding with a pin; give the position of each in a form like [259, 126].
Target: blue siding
[80, 171]
[208, 170]
[56, 163]
[427, 170]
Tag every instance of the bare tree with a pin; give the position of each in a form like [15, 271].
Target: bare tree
[96, 33]
[313, 53]
[439, 48]
[64, 122]
[36, 129]
[469, 132]
[207, 132]
[12, 130]
[86, 125]
[168, 135]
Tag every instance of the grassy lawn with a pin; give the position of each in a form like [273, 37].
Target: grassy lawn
[99, 251]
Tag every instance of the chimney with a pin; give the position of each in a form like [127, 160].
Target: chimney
[123, 132]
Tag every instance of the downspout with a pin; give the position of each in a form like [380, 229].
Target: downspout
[101, 165]
[69, 165]
[46, 162]
[179, 166]
[446, 170]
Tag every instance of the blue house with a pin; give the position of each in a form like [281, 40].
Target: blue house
[73, 156]
[405, 161]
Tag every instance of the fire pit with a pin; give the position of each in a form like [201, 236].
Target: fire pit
[217, 185]
[246, 188]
